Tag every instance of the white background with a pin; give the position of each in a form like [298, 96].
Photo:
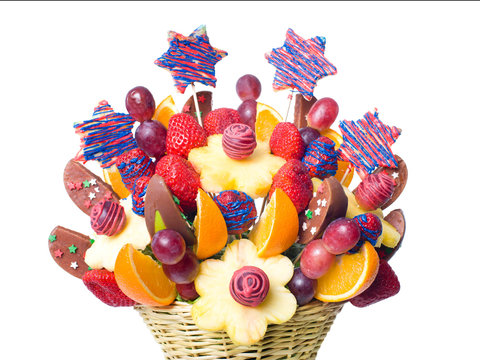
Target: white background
[418, 63]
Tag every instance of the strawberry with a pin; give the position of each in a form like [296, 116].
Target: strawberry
[321, 158]
[103, 285]
[181, 178]
[132, 165]
[184, 133]
[294, 180]
[385, 285]
[138, 195]
[218, 120]
[287, 142]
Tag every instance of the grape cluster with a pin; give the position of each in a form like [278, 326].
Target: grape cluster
[248, 90]
[179, 263]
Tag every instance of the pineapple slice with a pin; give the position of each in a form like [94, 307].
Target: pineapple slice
[389, 237]
[216, 309]
[218, 172]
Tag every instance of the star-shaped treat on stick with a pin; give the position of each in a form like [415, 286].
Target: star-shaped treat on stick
[191, 59]
[300, 64]
[366, 143]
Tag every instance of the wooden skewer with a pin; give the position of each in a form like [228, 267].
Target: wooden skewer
[197, 108]
[290, 98]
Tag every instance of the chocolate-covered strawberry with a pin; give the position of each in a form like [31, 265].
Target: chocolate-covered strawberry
[374, 191]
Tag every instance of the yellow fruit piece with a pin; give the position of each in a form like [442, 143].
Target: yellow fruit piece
[316, 183]
[210, 227]
[343, 166]
[165, 110]
[113, 177]
[349, 275]
[389, 237]
[277, 228]
[267, 119]
[218, 172]
[142, 279]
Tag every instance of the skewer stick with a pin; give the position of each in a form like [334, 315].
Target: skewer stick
[263, 206]
[197, 108]
[290, 97]
[346, 174]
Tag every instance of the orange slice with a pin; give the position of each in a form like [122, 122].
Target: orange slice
[342, 165]
[277, 228]
[165, 110]
[210, 227]
[142, 279]
[350, 275]
[267, 119]
[113, 177]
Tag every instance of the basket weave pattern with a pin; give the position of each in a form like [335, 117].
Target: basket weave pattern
[297, 339]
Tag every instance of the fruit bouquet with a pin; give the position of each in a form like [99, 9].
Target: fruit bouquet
[234, 232]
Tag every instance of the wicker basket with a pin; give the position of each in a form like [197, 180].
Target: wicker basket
[299, 338]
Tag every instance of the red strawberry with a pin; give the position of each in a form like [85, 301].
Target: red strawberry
[386, 285]
[103, 285]
[287, 142]
[184, 133]
[294, 180]
[218, 120]
[181, 178]
[132, 165]
[138, 195]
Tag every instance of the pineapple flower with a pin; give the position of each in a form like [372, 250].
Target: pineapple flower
[252, 175]
[217, 310]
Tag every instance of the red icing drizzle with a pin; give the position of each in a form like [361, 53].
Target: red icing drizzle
[238, 141]
[107, 218]
[249, 286]
[374, 191]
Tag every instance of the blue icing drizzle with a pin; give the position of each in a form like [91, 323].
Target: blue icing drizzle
[321, 168]
[233, 210]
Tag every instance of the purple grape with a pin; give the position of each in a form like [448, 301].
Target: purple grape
[168, 246]
[248, 87]
[151, 137]
[185, 270]
[341, 235]
[140, 103]
[248, 113]
[309, 134]
[187, 291]
[302, 287]
[322, 114]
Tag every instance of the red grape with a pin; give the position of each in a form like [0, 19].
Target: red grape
[322, 114]
[308, 135]
[151, 137]
[302, 287]
[248, 87]
[341, 235]
[168, 246]
[185, 270]
[140, 103]
[248, 113]
[187, 291]
[315, 260]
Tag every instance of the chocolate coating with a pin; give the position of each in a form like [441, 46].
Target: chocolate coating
[68, 248]
[374, 191]
[107, 218]
[399, 175]
[238, 141]
[249, 286]
[328, 203]
[84, 192]
[159, 198]
[302, 107]
[204, 103]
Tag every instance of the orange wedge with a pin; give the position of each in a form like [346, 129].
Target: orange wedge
[350, 275]
[142, 279]
[210, 227]
[277, 228]
[165, 110]
[342, 165]
[113, 177]
[267, 119]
